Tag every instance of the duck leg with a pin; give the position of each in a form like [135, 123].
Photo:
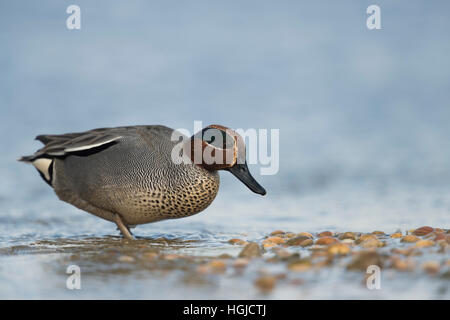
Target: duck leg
[122, 227]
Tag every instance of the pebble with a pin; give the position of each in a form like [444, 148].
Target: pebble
[217, 264]
[325, 234]
[396, 235]
[422, 231]
[424, 243]
[338, 249]
[326, 240]
[289, 235]
[372, 243]
[251, 250]
[276, 240]
[300, 265]
[269, 245]
[364, 259]
[297, 240]
[203, 269]
[277, 233]
[378, 232]
[307, 243]
[305, 234]
[266, 283]
[348, 241]
[402, 265]
[410, 238]
[241, 262]
[431, 267]
[347, 235]
[365, 237]
[441, 236]
[282, 253]
[317, 248]
[237, 241]
[213, 266]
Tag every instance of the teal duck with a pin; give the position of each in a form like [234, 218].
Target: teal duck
[140, 174]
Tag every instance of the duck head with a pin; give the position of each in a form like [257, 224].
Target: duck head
[220, 148]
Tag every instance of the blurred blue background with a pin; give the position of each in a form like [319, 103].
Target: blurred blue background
[363, 114]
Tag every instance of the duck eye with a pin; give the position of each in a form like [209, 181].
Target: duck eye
[218, 138]
[210, 140]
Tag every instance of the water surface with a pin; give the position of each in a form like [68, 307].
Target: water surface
[363, 118]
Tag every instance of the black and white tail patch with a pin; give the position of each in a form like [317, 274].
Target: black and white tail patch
[45, 168]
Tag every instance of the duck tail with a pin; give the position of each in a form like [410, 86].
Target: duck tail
[26, 159]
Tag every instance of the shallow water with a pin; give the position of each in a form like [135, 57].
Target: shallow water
[37, 247]
[363, 119]
[38, 270]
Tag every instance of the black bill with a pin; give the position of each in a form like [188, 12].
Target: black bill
[241, 172]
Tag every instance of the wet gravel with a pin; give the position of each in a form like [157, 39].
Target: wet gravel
[281, 264]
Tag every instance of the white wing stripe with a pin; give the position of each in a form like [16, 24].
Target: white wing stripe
[90, 146]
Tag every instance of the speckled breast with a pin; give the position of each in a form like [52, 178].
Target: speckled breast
[174, 200]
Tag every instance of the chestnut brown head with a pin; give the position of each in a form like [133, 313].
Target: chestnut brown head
[220, 148]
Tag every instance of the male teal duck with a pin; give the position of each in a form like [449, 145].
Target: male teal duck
[133, 175]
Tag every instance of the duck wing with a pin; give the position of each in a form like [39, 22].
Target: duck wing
[65, 144]
[59, 146]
